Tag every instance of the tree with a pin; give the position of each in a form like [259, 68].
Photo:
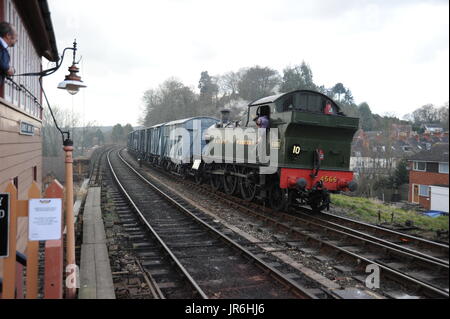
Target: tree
[152, 100]
[117, 134]
[307, 76]
[366, 117]
[51, 137]
[348, 97]
[401, 174]
[297, 78]
[443, 116]
[172, 100]
[292, 79]
[127, 129]
[338, 90]
[88, 133]
[229, 84]
[207, 85]
[426, 114]
[99, 137]
[258, 82]
[209, 90]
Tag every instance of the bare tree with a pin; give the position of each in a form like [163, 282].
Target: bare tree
[51, 137]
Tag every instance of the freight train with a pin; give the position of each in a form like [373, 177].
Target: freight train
[299, 158]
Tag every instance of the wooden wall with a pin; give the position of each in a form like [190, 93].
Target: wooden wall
[19, 154]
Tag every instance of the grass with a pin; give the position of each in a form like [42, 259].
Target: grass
[368, 209]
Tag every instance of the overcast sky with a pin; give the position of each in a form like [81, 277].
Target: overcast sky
[393, 54]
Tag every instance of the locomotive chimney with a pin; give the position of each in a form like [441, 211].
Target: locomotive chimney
[225, 116]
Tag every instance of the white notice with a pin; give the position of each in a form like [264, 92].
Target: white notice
[44, 222]
[196, 164]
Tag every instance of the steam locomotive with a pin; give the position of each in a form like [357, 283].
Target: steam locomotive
[308, 139]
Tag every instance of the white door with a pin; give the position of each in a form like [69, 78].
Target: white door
[439, 198]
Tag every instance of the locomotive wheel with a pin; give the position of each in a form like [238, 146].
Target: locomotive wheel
[216, 180]
[181, 171]
[198, 177]
[168, 166]
[247, 186]
[278, 198]
[320, 202]
[230, 182]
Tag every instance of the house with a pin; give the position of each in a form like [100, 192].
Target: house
[375, 154]
[432, 128]
[21, 100]
[428, 170]
[401, 131]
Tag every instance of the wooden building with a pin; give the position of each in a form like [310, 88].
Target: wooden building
[21, 98]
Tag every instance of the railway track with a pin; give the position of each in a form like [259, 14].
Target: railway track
[428, 249]
[405, 272]
[419, 247]
[212, 264]
[135, 241]
[410, 267]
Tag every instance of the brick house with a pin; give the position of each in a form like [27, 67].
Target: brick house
[428, 168]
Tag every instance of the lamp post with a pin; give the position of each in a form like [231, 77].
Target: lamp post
[72, 84]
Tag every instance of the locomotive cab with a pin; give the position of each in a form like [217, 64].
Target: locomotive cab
[302, 101]
[314, 147]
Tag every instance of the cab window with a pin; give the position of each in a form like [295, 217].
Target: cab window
[251, 115]
[288, 103]
[306, 102]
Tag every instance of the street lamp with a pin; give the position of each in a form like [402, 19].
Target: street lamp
[72, 84]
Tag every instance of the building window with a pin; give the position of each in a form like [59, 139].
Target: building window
[420, 166]
[432, 167]
[443, 168]
[24, 58]
[35, 173]
[424, 190]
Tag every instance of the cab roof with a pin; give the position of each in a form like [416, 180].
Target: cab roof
[274, 98]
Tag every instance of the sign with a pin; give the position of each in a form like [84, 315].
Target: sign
[44, 219]
[4, 225]
[26, 128]
[196, 165]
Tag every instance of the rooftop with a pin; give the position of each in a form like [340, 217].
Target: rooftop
[37, 19]
[438, 154]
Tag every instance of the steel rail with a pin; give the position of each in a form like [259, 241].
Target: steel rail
[357, 232]
[289, 283]
[431, 245]
[193, 283]
[398, 276]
